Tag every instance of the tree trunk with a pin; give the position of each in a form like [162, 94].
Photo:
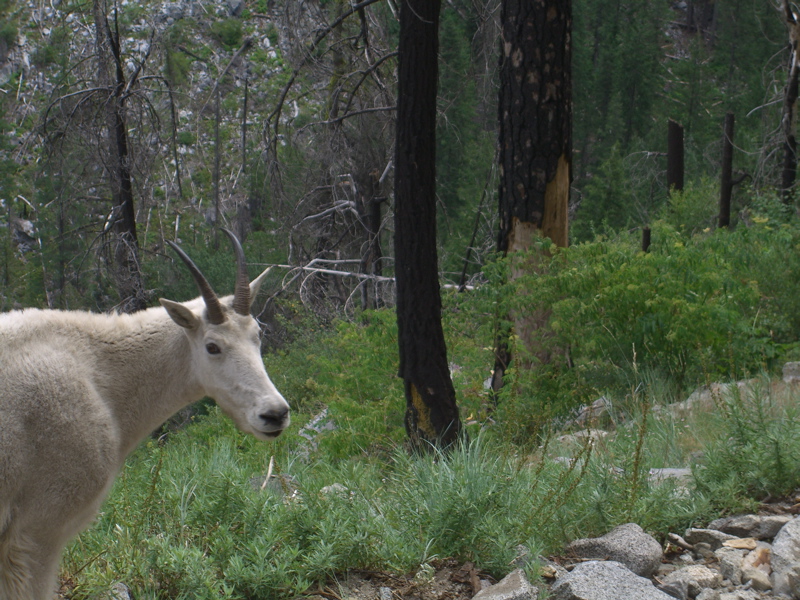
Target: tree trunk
[726, 179]
[674, 156]
[788, 119]
[535, 146]
[126, 244]
[431, 413]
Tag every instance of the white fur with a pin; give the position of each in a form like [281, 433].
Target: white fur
[79, 391]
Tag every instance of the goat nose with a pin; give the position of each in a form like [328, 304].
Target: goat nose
[275, 418]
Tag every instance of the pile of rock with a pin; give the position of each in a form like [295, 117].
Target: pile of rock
[748, 557]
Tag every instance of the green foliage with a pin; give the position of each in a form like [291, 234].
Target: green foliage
[228, 32]
[8, 34]
[693, 209]
[754, 453]
[695, 307]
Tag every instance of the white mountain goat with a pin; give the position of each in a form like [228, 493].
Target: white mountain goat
[79, 391]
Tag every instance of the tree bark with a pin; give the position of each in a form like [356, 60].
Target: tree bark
[535, 147]
[789, 117]
[674, 156]
[126, 243]
[726, 179]
[431, 416]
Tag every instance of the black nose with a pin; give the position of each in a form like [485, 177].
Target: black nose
[275, 418]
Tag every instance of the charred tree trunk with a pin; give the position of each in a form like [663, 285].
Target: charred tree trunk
[726, 179]
[789, 117]
[431, 413]
[674, 156]
[126, 244]
[535, 147]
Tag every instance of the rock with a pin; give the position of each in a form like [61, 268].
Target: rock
[761, 527]
[791, 372]
[730, 564]
[786, 560]
[583, 437]
[681, 476]
[739, 595]
[712, 537]
[696, 578]
[514, 586]
[119, 591]
[627, 544]
[677, 589]
[757, 579]
[604, 580]
[760, 558]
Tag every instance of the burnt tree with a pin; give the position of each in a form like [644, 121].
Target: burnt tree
[111, 77]
[535, 139]
[431, 413]
[789, 117]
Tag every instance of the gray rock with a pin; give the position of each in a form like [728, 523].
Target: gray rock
[740, 595]
[627, 544]
[696, 578]
[791, 372]
[730, 563]
[786, 560]
[604, 580]
[712, 537]
[514, 586]
[677, 589]
[761, 527]
[757, 579]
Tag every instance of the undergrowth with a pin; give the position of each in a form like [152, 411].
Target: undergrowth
[194, 518]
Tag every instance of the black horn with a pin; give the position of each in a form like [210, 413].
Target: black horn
[213, 306]
[241, 294]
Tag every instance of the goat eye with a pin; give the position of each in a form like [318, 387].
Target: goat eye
[212, 348]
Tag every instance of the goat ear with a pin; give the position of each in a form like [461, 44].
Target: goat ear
[255, 285]
[180, 314]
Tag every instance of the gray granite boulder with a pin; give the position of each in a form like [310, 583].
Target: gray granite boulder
[514, 586]
[604, 580]
[786, 560]
[761, 527]
[627, 544]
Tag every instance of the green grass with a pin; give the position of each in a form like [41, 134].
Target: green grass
[189, 519]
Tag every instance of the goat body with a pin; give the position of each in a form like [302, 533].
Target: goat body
[79, 391]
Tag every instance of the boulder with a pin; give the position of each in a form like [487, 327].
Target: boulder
[761, 527]
[604, 580]
[695, 577]
[514, 586]
[786, 560]
[627, 544]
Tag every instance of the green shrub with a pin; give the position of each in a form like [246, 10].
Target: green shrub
[228, 32]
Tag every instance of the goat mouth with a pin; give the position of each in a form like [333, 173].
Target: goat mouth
[268, 435]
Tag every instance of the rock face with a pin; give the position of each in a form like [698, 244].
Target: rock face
[627, 544]
[604, 580]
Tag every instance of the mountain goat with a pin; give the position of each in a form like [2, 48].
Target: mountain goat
[79, 391]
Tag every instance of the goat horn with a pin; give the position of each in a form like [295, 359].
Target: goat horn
[213, 306]
[241, 293]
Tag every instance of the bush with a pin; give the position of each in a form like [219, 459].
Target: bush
[696, 307]
[228, 32]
